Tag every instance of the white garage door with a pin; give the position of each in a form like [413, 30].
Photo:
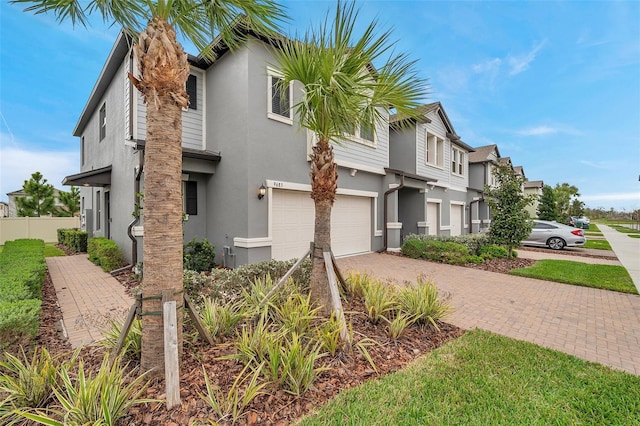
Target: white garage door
[293, 216]
[456, 219]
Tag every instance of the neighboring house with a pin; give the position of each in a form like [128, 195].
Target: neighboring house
[482, 163]
[4, 209]
[426, 185]
[238, 136]
[12, 209]
[533, 187]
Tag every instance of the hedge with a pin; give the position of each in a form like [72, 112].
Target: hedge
[74, 239]
[23, 272]
[105, 253]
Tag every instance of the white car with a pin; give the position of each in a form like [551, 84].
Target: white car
[554, 235]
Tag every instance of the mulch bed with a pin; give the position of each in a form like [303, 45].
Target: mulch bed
[275, 407]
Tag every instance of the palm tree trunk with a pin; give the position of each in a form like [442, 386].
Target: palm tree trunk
[324, 182]
[163, 72]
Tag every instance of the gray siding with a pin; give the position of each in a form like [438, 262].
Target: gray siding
[402, 149]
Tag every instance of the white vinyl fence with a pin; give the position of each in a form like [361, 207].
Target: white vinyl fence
[43, 228]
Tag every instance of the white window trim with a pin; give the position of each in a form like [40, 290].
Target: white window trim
[460, 156]
[357, 139]
[439, 152]
[273, 116]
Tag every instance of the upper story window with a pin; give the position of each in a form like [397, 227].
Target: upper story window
[457, 161]
[192, 91]
[435, 150]
[364, 134]
[278, 99]
[103, 121]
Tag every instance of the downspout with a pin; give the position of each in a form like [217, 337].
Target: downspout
[136, 218]
[386, 196]
[471, 212]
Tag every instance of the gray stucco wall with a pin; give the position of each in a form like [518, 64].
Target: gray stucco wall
[412, 205]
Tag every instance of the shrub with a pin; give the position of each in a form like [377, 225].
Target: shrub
[198, 256]
[413, 248]
[105, 253]
[492, 251]
[422, 303]
[474, 259]
[73, 238]
[473, 242]
[23, 271]
[227, 284]
[443, 249]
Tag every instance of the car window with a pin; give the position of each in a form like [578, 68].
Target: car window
[544, 226]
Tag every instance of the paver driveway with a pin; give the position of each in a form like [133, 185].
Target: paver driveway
[596, 325]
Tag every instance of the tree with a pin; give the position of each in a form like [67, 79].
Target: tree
[70, 202]
[576, 208]
[342, 93]
[40, 197]
[163, 72]
[564, 193]
[510, 224]
[547, 205]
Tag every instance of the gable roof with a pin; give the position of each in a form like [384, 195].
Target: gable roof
[482, 153]
[436, 107]
[534, 184]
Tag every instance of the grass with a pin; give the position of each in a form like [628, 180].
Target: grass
[592, 228]
[50, 250]
[606, 277]
[597, 244]
[634, 235]
[624, 229]
[481, 379]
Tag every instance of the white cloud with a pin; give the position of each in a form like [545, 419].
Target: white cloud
[18, 164]
[490, 66]
[544, 129]
[602, 165]
[521, 63]
[621, 196]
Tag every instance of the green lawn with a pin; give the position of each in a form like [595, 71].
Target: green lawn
[624, 229]
[486, 379]
[50, 250]
[592, 228]
[607, 277]
[634, 235]
[597, 244]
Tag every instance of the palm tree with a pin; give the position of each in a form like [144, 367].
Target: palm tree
[342, 92]
[163, 73]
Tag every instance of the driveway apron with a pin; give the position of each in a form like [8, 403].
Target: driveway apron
[596, 325]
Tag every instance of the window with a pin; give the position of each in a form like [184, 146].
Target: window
[98, 218]
[82, 151]
[190, 197]
[435, 150]
[103, 121]
[457, 161]
[364, 134]
[279, 98]
[192, 91]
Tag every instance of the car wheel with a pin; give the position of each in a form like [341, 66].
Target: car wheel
[556, 243]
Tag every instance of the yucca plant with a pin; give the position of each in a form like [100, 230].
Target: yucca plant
[99, 400]
[298, 362]
[253, 342]
[399, 324]
[379, 300]
[27, 384]
[233, 404]
[328, 335]
[132, 345]
[355, 283]
[422, 302]
[295, 314]
[220, 319]
[362, 345]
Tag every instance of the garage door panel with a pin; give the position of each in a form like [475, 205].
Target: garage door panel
[293, 222]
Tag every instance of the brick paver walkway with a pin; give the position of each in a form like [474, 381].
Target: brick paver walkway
[596, 325]
[88, 297]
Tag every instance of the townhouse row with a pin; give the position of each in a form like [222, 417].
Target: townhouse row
[246, 166]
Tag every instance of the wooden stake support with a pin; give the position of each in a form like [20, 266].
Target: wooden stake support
[335, 295]
[171, 359]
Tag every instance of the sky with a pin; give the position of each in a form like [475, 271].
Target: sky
[555, 84]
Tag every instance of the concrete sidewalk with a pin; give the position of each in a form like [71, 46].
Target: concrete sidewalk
[88, 297]
[627, 249]
[538, 255]
[596, 325]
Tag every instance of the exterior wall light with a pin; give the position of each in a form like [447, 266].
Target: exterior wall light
[261, 192]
